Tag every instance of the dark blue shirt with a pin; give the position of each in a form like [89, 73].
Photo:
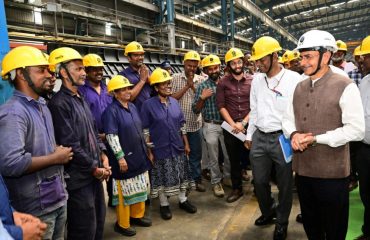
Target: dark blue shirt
[97, 102]
[127, 125]
[27, 131]
[74, 127]
[6, 213]
[164, 124]
[134, 77]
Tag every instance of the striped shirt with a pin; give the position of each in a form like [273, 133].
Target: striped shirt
[193, 120]
[210, 110]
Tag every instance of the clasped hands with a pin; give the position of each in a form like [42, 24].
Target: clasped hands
[301, 141]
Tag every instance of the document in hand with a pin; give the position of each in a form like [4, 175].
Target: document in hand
[286, 147]
[227, 127]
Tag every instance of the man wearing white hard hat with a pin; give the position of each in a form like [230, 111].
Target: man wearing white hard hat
[324, 116]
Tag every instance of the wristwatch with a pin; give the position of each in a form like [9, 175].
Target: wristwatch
[244, 123]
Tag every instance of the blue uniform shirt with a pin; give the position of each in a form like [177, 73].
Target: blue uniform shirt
[127, 125]
[164, 124]
[74, 127]
[27, 131]
[97, 102]
[134, 78]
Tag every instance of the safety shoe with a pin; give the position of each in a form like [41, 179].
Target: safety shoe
[165, 212]
[129, 232]
[188, 207]
[363, 237]
[143, 222]
[218, 191]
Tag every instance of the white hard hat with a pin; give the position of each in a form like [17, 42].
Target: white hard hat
[316, 40]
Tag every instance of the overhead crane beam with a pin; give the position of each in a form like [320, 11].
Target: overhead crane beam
[257, 12]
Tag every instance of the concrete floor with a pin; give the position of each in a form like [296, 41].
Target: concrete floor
[215, 219]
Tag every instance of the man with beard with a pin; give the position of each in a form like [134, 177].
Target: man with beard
[356, 74]
[74, 127]
[232, 96]
[338, 58]
[31, 163]
[323, 116]
[183, 88]
[269, 97]
[137, 73]
[205, 103]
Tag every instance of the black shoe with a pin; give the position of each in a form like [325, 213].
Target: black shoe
[143, 222]
[124, 231]
[280, 232]
[262, 220]
[299, 218]
[165, 212]
[188, 207]
[234, 195]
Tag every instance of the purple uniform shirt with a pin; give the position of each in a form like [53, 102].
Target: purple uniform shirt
[164, 124]
[134, 78]
[97, 102]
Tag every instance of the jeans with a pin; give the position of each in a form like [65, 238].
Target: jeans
[195, 156]
[212, 134]
[56, 222]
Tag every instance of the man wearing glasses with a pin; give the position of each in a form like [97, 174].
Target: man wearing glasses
[268, 100]
[232, 98]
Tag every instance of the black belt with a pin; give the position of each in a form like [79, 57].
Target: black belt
[270, 133]
[213, 121]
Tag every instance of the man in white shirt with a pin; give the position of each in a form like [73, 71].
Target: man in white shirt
[363, 151]
[325, 114]
[270, 92]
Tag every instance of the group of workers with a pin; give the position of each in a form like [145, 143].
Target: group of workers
[150, 134]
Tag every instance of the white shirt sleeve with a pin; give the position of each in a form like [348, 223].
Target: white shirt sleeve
[288, 122]
[253, 113]
[352, 118]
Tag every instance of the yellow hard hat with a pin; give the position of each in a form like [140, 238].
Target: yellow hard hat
[294, 55]
[20, 57]
[159, 75]
[264, 46]
[211, 60]
[286, 56]
[280, 60]
[63, 55]
[365, 46]
[356, 52]
[192, 55]
[92, 60]
[232, 54]
[342, 46]
[134, 47]
[118, 82]
[51, 67]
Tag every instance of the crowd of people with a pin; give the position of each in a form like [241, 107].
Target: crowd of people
[153, 134]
